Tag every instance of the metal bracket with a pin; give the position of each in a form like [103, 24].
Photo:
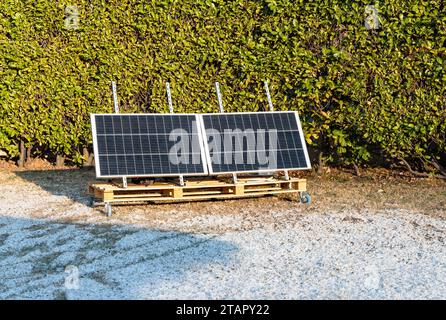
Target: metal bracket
[268, 96]
[220, 101]
[169, 101]
[116, 108]
[169, 97]
[234, 178]
[286, 175]
[115, 97]
[124, 182]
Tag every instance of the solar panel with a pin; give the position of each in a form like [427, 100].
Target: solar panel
[139, 145]
[254, 142]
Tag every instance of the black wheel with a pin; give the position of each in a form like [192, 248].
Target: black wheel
[305, 198]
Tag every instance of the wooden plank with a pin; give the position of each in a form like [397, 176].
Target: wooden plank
[210, 182]
[301, 186]
[207, 197]
[194, 184]
[98, 194]
[262, 189]
[130, 196]
[188, 193]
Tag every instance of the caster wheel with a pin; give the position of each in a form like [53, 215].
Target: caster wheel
[305, 198]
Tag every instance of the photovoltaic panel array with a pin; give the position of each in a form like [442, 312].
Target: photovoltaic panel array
[254, 142]
[138, 145]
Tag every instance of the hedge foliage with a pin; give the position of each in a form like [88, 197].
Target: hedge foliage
[360, 92]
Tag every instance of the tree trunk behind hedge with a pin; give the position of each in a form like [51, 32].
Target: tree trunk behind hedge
[88, 157]
[29, 157]
[22, 156]
[60, 161]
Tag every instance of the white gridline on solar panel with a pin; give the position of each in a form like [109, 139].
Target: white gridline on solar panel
[132, 143]
[227, 121]
[259, 150]
[141, 162]
[122, 134]
[136, 162]
[275, 126]
[238, 118]
[128, 124]
[252, 162]
[119, 172]
[185, 134]
[140, 141]
[160, 164]
[145, 154]
[147, 132]
[286, 140]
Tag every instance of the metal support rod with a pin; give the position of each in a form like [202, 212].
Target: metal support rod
[271, 108]
[116, 107]
[220, 101]
[220, 105]
[169, 101]
[268, 96]
[115, 97]
[169, 97]
[287, 176]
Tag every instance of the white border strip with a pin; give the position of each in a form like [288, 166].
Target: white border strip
[304, 142]
[142, 114]
[95, 145]
[203, 145]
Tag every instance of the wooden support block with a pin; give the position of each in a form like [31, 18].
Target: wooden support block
[177, 193]
[300, 185]
[239, 189]
[107, 195]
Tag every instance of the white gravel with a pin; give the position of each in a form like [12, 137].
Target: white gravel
[291, 255]
[330, 256]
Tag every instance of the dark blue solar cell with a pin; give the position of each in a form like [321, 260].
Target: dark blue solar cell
[256, 141]
[141, 145]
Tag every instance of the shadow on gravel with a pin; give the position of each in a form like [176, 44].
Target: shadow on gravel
[111, 262]
[72, 183]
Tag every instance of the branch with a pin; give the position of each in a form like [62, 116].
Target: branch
[421, 174]
[357, 172]
[438, 166]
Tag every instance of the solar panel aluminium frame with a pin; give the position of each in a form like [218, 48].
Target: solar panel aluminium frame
[200, 140]
[206, 146]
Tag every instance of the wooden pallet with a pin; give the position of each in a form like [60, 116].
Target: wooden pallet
[194, 190]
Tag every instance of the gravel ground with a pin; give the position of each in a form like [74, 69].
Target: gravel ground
[53, 246]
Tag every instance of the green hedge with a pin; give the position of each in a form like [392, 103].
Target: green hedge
[360, 92]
